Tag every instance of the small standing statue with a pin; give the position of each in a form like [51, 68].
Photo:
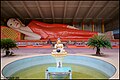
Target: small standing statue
[59, 53]
[59, 46]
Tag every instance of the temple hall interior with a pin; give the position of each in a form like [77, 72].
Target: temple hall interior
[81, 29]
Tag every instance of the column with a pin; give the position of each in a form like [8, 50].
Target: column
[58, 62]
[82, 25]
[103, 26]
[70, 74]
[93, 26]
[46, 74]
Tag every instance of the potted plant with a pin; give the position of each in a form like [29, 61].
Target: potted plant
[7, 44]
[99, 41]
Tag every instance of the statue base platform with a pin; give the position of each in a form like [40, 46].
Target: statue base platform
[61, 54]
[58, 71]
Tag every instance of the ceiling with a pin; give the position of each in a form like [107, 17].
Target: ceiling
[61, 11]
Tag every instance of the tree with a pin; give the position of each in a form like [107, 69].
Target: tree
[99, 41]
[7, 44]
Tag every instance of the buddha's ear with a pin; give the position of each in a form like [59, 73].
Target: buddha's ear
[20, 22]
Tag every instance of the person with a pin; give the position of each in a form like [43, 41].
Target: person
[36, 30]
[49, 41]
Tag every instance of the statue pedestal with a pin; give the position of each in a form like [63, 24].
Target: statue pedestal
[59, 57]
[58, 72]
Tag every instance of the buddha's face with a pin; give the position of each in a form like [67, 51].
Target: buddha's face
[13, 23]
[58, 42]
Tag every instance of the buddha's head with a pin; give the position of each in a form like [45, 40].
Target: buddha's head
[58, 41]
[14, 23]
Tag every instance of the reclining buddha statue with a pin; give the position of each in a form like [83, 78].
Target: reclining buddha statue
[36, 30]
